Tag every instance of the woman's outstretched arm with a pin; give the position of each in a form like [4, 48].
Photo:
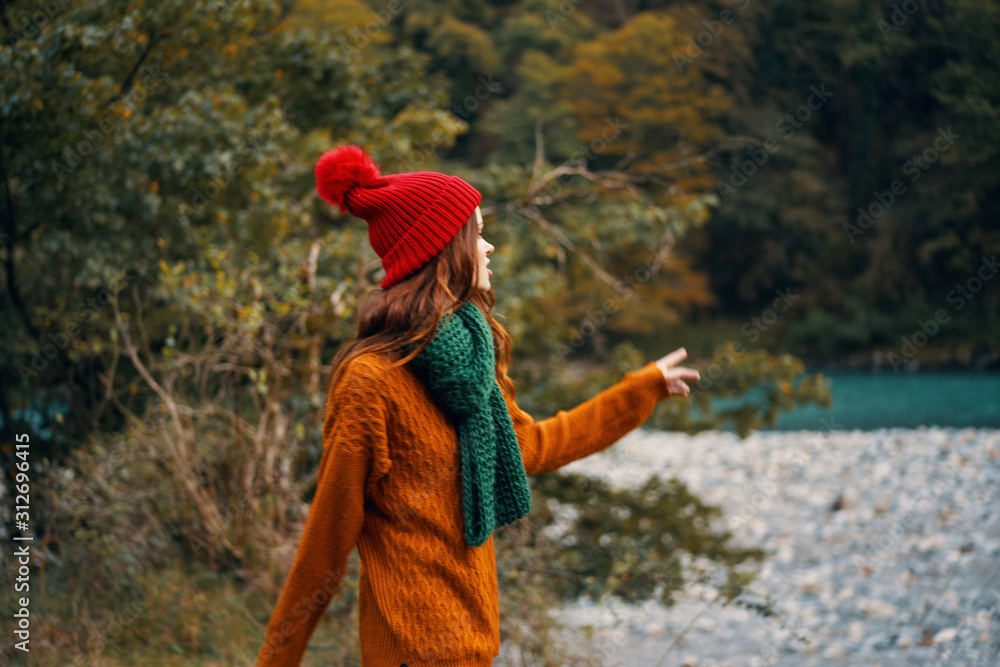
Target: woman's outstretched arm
[354, 455]
[596, 423]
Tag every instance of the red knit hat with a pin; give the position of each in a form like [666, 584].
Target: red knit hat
[411, 217]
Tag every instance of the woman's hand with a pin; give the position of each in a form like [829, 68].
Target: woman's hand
[676, 376]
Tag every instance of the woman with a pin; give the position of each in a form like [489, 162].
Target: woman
[425, 452]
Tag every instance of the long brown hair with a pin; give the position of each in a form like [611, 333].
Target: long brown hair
[409, 311]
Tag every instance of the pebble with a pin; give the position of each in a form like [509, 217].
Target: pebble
[885, 548]
[944, 636]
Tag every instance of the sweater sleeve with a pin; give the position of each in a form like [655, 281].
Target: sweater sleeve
[354, 457]
[595, 424]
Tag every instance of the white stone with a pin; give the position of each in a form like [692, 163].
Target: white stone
[813, 548]
[705, 624]
[945, 635]
[835, 651]
[879, 608]
[856, 631]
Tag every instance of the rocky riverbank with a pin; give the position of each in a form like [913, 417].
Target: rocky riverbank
[885, 548]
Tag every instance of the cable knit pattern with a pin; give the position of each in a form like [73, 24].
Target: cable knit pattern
[389, 482]
[458, 366]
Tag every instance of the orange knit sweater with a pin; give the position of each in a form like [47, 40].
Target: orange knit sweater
[389, 482]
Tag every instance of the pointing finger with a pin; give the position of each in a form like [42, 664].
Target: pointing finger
[674, 357]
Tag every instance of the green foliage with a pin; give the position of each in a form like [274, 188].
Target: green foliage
[765, 384]
[893, 88]
[631, 73]
[635, 544]
[192, 133]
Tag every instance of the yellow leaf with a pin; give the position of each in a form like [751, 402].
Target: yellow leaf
[163, 266]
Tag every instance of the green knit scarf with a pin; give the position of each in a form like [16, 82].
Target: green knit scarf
[458, 367]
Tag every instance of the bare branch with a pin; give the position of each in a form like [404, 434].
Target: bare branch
[536, 170]
[558, 234]
[154, 39]
[732, 143]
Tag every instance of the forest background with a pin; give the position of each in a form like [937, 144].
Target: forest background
[779, 186]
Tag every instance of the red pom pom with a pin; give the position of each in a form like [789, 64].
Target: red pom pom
[341, 169]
